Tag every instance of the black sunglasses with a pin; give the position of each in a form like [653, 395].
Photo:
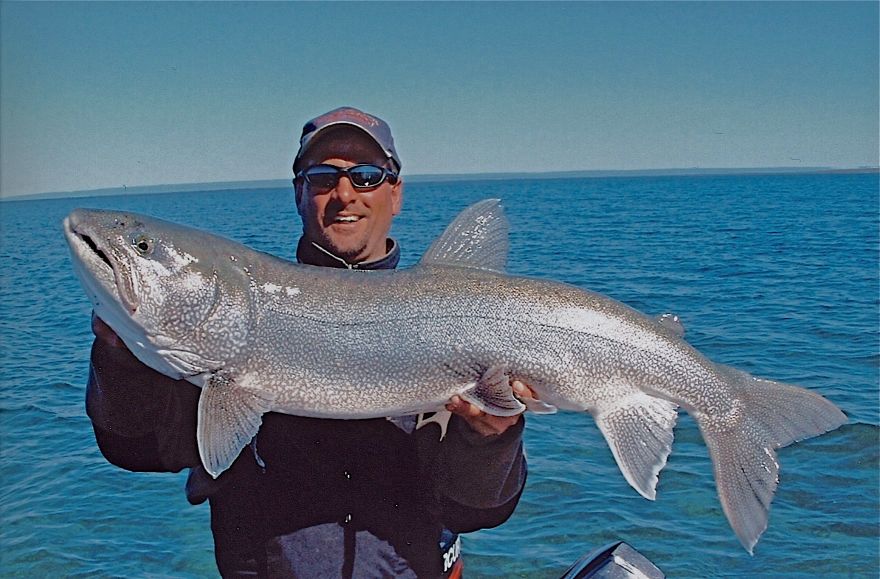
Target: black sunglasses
[361, 176]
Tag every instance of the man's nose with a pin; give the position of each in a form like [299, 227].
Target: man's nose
[344, 190]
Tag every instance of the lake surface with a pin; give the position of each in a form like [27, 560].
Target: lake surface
[774, 274]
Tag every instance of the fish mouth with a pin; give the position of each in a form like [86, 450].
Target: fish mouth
[83, 245]
[97, 270]
[90, 243]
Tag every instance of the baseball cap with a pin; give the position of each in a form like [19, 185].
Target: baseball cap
[373, 126]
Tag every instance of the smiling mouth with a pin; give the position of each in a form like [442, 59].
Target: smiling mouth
[346, 219]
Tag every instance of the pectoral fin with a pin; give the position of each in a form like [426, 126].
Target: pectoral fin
[638, 428]
[228, 418]
[493, 394]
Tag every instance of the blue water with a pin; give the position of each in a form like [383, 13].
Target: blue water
[776, 275]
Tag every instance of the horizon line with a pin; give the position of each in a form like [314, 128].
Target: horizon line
[192, 187]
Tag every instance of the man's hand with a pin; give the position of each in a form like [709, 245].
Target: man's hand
[486, 424]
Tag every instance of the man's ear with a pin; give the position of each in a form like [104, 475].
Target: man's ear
[298, 192]
[397, 197]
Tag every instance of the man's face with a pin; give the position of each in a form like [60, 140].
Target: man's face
[351, 223]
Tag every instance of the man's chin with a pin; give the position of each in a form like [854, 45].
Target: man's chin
[348, 250]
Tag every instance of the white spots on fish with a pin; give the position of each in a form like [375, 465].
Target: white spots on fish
[178, 259]
[193, 281]
[151, 274]
[187, 258]
[275, 289]
[598, 323]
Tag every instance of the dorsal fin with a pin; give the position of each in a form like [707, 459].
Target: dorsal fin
[476, 238]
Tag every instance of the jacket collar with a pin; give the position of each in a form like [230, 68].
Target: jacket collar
[313, 254]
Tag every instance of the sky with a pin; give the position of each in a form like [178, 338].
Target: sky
[97, 95]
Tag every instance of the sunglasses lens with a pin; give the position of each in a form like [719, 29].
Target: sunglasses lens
[322, 176]
[361, 176]
[366, 176]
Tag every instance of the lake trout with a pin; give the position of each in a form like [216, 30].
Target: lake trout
[260, 334]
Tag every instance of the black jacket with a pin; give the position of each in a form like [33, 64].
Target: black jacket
[314, 497]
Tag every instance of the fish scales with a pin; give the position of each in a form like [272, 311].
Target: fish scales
[412, 335]
[260, 334]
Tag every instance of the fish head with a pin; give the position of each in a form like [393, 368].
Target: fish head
[171, 294]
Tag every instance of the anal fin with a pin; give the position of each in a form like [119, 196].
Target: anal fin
[638, 428]
[228, 418]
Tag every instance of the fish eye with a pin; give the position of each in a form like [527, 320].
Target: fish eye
[142, 244]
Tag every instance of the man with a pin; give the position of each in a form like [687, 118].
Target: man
[313, 497]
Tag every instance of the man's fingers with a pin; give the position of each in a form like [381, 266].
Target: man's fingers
[466, 409]
[523, 391]
[454, 405]
[485, 424]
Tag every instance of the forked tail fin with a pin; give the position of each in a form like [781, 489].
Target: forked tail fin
[772, 415]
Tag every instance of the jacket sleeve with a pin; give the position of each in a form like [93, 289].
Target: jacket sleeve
[478, 480]
[143, 420]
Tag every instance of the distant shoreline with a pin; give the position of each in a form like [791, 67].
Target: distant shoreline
[446, 178]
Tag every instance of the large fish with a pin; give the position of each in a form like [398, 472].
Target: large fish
[261, 334]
